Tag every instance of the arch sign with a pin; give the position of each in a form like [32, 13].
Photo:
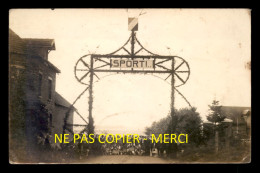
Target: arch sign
[132, 57]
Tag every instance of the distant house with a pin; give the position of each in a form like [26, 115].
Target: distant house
[239, 118]
[29, 69]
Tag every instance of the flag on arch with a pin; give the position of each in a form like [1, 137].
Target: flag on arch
[132, 24]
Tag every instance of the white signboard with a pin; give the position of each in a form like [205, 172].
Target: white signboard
[129, 63]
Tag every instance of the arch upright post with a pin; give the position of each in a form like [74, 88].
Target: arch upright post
[91, 122]
[172, 96]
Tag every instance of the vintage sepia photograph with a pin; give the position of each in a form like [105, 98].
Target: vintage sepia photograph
[129, 86]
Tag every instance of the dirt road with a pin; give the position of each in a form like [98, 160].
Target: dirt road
[126, 159]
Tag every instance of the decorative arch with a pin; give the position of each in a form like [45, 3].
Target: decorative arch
[87, 68]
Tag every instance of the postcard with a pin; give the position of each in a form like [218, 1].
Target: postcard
[129, 86]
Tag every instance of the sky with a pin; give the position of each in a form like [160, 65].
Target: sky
[215, 42]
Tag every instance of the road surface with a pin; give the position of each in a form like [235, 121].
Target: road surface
[126, 159]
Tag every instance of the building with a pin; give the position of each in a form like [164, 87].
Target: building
[61, 108]
[36, 110]
[236, 128]
[241, 117]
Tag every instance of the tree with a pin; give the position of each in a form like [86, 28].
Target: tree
[17, 122]
[189, 122]
[215, 116]
[183, 121]
[159, 127]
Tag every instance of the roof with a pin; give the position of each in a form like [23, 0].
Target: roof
[53, 66]
[246, 112]
[59, 100]
[36, 42]
[26, 46]
[16, 44]
[228, 120]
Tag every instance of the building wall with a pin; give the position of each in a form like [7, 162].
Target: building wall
[58, 120]
[37, 107]
[35, 66]
[42, 52]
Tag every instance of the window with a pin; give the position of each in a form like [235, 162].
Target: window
[40, 85]
[50, 87]
[17, 71]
